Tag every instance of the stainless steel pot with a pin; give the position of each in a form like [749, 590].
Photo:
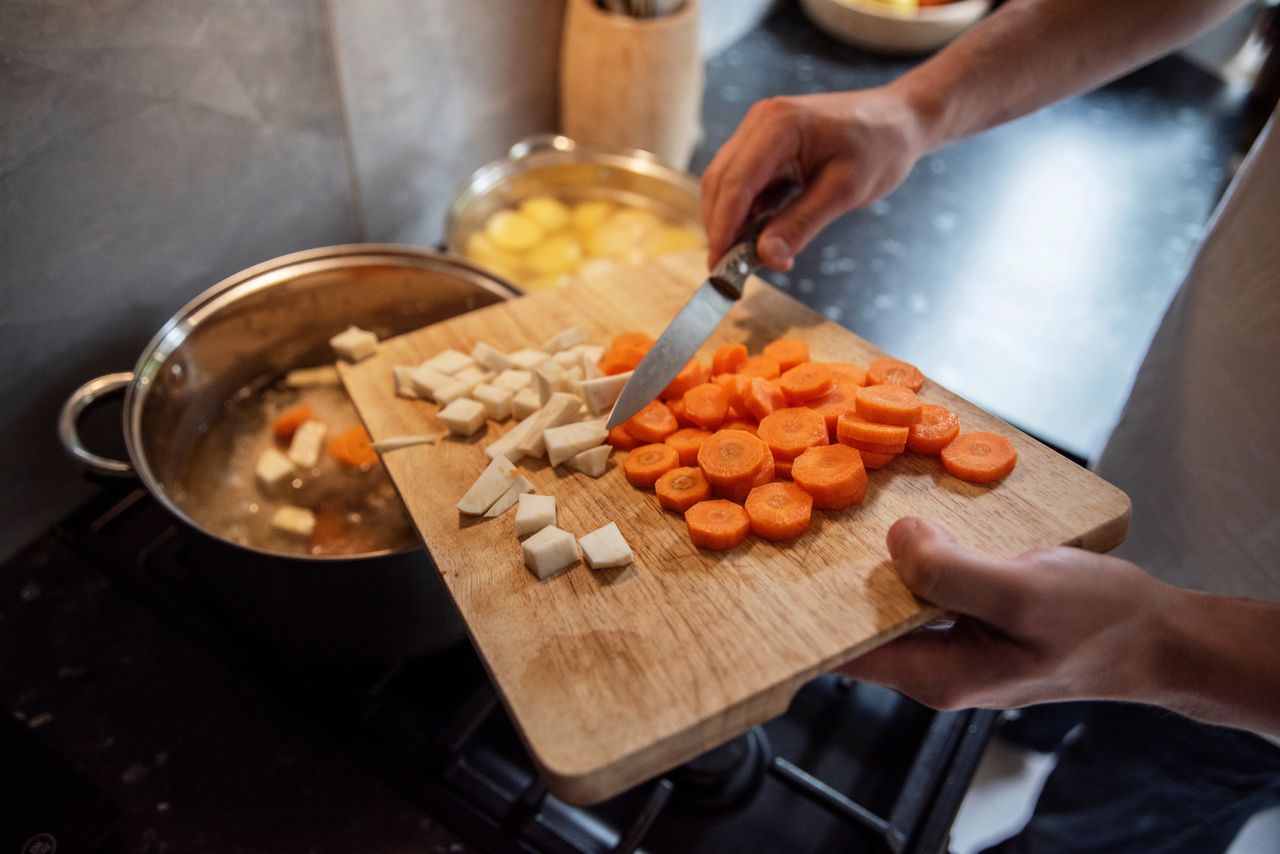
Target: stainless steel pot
[256, 325]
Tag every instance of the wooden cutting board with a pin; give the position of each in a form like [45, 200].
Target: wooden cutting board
[615, 676]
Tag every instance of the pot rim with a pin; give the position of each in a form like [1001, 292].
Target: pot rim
[264, 275]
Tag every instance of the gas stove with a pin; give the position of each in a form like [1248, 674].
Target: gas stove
[850, 766]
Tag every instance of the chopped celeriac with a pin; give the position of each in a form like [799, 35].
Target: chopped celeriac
[354, 344]
[508, 499]
[298, 521]
[463, 417]
[591, 462]
[534, 512]
[307, 442]
[450, 361]
[549, 551]
[605, 547]
[496, 400]
[489, 486]
[567, 441]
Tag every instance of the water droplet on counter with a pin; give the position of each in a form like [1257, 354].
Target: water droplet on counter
[833, 313]
[945, 222]
[880, 208]
[806, 286]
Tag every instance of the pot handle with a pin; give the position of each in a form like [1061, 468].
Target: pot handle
[69, 418]
[540, 142]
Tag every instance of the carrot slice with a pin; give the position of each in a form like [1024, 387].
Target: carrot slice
[620, 439]
[694, 373]
[876, 461]
[761, 366]
[779, 511]
[653, 423]
[677, 409]
[647, 463]
[733, 385]
[842, 397]
[889, 404]
[852, 427]
[833, 475]
[806, 382]
[937, 427]
[353, 448]
[845, 372]
[979, 457]
[631, 339]
[728, 359]
[790, 432]
[687, 442]
[681, 488]
[788, 352]
[706, 405]
[717, 524]
[761, 397]
[873, 448]
[290, 420]
[888, 371]
[739, 492]
[731, 457]
[740, 424]
[619, 360]
[782, 468]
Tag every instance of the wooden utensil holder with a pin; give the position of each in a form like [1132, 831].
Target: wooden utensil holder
[630, 82]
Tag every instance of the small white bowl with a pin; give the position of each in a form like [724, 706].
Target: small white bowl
[877, 27]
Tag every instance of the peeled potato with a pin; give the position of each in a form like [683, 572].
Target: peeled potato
[547, 212]
[513, 231]
[481, 249]
[616, 237]
[638, 218]
[559, 253]
[587, 215]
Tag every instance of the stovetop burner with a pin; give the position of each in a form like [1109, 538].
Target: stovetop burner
[724, 776]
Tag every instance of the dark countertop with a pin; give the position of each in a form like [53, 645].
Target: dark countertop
[1025, 268]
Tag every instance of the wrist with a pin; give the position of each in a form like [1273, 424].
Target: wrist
[927, 107]
[1175, 666]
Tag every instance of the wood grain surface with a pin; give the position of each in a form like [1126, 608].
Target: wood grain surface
[617, 675]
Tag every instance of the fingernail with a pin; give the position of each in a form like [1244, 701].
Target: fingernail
[774, 250]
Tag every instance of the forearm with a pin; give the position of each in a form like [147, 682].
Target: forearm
[1030, 53]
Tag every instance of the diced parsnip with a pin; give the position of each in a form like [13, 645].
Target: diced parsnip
[560, 409]
[496, 400]
[605, 547]
[273, 470]
[590, 352]
[395, 443]
[533, 513]
[473, 376]
[565, 338]
[489, 486]
[571, 380]
[525, 403]
[514, 379]
[546, 378]
[590, 367]
[527, 359]
[505, 446]
[354, 344]
[403, 375]
[592, 462]
[602, 393]
[312, 377]
[308, 439]
[427, 380]
[295, 521]
[450, 361]
[509, 498]
[490, 357]
[549, 551]
[567, 441]
[463, 417]
[451, 392]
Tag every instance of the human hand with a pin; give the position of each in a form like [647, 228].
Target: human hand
[846, 148]
[1051, 624]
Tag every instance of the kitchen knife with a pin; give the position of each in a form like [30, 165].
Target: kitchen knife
[703, 312]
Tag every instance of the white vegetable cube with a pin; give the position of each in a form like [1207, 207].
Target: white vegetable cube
[427, 380]
[567, 441]
[590, 367]
[560, 409]
[403, 375]
[602, 393]
[307, 442]
[527, 359]
[564, 339]
[546, 377]
[592, 462]
[295, 521]
[451, 392]
[273, 470]
[490, 357]
[496, 400]
[473, 376]
[549, 551]
[312, 377]
[525, 403]
[571, 379]
[489, 486]
[514, 379]
[463, 417]
[450, 361]
[605, 547]
[354, 344]
[592, 353]
[509, 498]
[533, 513]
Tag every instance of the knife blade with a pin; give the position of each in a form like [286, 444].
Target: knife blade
[703, 312]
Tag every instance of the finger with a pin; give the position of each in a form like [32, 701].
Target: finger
[762, 159]
[825, 198]
[936, 569]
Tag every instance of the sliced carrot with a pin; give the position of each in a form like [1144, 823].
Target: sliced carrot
[290, 420]
[845, 372]
[740, 424]
[762, 398]
[779, 511]
[677, 409]
[631, 339]
[873, 448]
[728, 359]
[731, 457]
[694, 373]
[876, 461]
[833, 475]
[619, 360]
[979, 457]
[888, 371]
[733, 384]
[937, 427]
[620, 439]
[761, 366]
[791, 432]
[842, 397]
[717, 524]
[739, 492]
[788, 352]
[653, 423]
[353, 448]
[706, 405]
[889, 404]
[852, 427]
[806, 382]
[681, 488]
[782, 468]
[647, 463]
[687, 442]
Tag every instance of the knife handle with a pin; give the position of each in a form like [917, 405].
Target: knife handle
[729, 276]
